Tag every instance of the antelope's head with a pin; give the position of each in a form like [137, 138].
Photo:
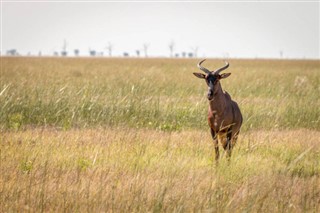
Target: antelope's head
[212, 78]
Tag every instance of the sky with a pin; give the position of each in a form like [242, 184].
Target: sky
[240, 29]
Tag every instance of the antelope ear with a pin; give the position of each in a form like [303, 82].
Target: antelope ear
[199, 75]
[225, 75]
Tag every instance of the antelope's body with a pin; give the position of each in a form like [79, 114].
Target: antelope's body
[224, 115]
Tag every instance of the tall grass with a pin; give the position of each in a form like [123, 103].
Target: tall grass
[130, 170]
[130, 135]
[153, 93]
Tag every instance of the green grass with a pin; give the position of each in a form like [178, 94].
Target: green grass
[154, 93]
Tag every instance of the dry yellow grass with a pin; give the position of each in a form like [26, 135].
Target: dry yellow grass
[139, 170]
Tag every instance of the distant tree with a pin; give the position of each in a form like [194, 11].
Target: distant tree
[195, 51]
[145, 49]
[125, 54]
[281, 53]
[12, 52]
[55, 53]
[109, 47]
[138, 53]
[190, 55]
[76, 52]
[225, 55]
[40, 54]
[64, 48]
[184, 54]
[176, 55]
[92, 52]
[64, 53]
[171, 48]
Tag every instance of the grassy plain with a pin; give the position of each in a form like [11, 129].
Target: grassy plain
[130, 135]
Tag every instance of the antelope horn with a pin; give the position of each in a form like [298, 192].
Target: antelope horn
[202, 68]
[222, 68]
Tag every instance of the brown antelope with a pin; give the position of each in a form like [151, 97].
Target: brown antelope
[224, 115]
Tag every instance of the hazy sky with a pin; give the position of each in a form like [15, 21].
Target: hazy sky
[218, 29]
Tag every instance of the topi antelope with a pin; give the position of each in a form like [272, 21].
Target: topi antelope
[224, 115]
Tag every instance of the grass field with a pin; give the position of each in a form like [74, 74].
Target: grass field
[130, 135]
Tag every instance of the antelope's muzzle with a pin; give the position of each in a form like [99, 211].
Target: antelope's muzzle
[210, 94]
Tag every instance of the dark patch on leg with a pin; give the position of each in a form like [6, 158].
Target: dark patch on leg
[229, 135]
[217, 152]
[213, 134]
[228, 147]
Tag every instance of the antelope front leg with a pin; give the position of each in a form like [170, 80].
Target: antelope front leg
[216, 144]
[229, 144]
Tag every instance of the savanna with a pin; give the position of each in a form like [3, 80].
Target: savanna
[131, 135]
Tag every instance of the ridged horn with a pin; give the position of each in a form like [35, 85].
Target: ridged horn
[222, 68]
[202, 68]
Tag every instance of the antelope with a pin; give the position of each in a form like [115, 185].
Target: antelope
[224, 116]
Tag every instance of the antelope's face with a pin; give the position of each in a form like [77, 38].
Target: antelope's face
[212, 79]
[213, 85]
